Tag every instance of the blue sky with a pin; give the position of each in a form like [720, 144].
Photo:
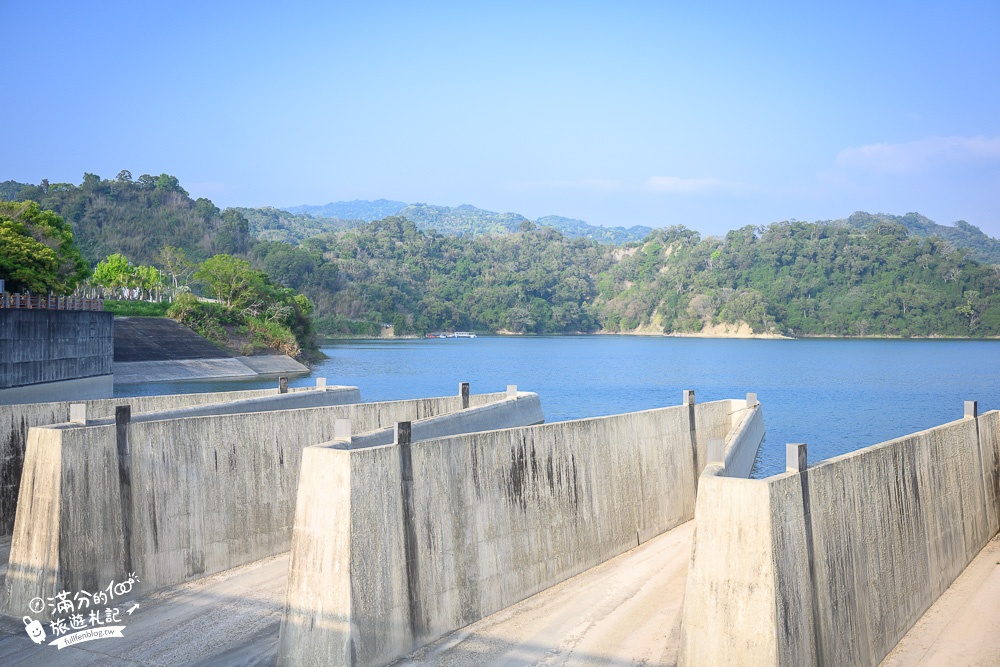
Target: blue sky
[711, 115]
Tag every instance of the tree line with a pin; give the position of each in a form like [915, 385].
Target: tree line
[793, 278]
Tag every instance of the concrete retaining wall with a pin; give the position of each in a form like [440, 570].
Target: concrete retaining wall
[49, 346]
[15, 420]
[170, 500]
[833, 564]
[397, 545]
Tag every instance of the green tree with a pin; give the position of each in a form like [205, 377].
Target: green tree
[169, 183]
[232, 281]
[175, 262]
[116, 274]
[37, 251]
[150, 281]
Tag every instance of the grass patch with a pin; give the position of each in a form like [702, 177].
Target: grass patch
[136, 308]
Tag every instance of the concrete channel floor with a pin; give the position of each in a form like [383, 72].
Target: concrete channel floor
[963, 626]
[624, 612]
[231, 618]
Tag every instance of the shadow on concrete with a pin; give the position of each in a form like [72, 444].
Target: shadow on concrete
[160, 339]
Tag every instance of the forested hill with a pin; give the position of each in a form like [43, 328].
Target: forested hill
[358, 209]
[961, 234]
[465, 219]
[788, 278]
[139, 217]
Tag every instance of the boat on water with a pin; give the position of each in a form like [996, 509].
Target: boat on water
[455, 334]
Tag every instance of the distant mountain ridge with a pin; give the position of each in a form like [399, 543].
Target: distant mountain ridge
[459, 220]
[357, 209]
[467, 219]
[962, 235]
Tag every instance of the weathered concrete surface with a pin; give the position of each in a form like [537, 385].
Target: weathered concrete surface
[273, 364]
[833, 565]
[311, 397]
[524, 410]
[621, 613]
[81, 389]
[960, 628]
[51, 345]
[136, 372]
[230, 618]
[15, 420]
[395, 546]
[160, 339]
[204, 494]
[158, 349]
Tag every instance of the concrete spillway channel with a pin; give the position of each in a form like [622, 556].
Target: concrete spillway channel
[406, 531]
[73, 535]
[396, 545]
[832, 564]
[173, 496]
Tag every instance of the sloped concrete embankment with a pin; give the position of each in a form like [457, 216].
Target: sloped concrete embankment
[170, 500]
[158, 349]
[832, 564]
[15, 420]
[397, 545]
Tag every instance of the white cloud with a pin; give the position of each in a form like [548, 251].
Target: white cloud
[694, 186]
[920, 155]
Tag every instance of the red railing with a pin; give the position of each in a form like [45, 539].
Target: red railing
[29, 302]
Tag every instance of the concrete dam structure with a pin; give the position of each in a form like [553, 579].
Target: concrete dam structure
[832, 564]
[49, 355]
[381, 527]
[181, 494]
[15, 420]
[397, 544]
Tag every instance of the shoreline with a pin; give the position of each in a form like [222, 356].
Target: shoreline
[650, 334]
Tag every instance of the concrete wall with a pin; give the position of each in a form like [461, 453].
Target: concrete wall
[48, 346]
[170, 500]
[833, 564]
[523, 408]
[397, 545]
[15, 420]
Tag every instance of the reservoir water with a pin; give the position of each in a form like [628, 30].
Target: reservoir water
[834, 395]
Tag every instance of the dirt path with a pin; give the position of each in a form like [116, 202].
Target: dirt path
[961, 628]
[622, 613]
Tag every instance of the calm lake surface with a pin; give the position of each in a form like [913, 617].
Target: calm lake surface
[834, 395]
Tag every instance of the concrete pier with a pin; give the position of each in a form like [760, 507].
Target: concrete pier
[396, 545]
[205, 492]
[832, 564]
[15, 420]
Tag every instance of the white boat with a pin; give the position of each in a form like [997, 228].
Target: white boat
[464, 334]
